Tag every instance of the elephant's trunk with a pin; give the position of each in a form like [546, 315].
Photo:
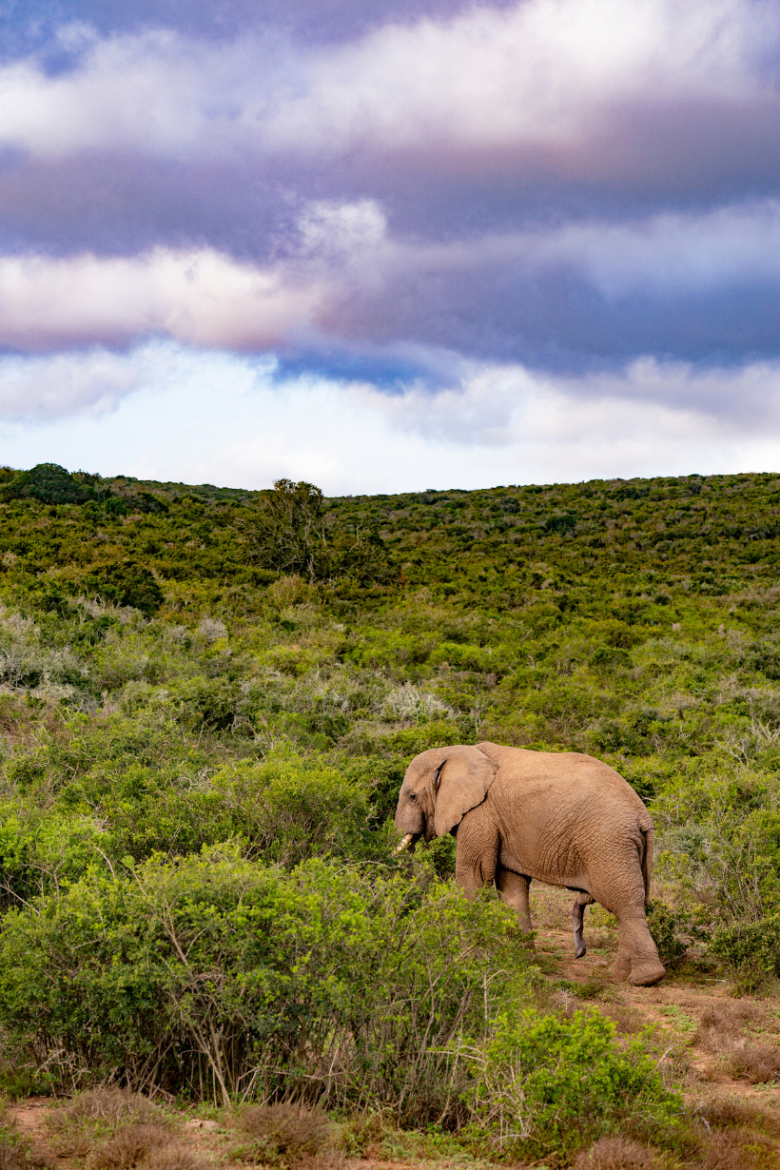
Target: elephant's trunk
[406, 841]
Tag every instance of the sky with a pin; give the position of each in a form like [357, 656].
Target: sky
[390, 245]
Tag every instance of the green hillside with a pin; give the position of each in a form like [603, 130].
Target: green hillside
[209, 698]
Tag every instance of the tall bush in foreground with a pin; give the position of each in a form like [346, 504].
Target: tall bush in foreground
[218, 977]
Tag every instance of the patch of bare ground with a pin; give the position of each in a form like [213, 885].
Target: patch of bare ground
[27, 1119]
[726, 1049]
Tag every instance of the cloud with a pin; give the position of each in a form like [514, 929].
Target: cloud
[540, 74]
[200, 297]
[447, 211]
[695, 287]
[503, 425]
[509, 406]
[152, 93]
[341, 229]
[543, 73]
[66, 384]
[24, 30]
[701, 287]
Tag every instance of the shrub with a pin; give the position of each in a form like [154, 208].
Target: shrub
[288, 810]
[750, 943]
[283, 1133]
[722, 1025]
[216, 974]
[17, 1155]
[126, 582]
[617, 1153]
[666, 927]
[756, 1063]
[129, 1147]
[729, 1112]
[542, 1084]
[108, 1105]
[74, 1127]
[175, 1156]
[50, 484]
[735, 1149]
[288, 528]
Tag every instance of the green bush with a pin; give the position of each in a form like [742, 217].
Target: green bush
[287, 810]
[49, 483]
[541, 1085]
[125, 582]
[219, 975]
[749, 945]
[667, 928]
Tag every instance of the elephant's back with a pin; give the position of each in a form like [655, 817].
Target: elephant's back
[567, 819]
[570, 775]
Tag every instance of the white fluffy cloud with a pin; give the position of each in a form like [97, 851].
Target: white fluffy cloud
[89, 383]
[201, 297]
[211, 417]
[540, 72]
[537, 73]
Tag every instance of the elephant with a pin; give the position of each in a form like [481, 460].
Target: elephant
[563, 818]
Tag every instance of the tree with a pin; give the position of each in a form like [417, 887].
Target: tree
[290, 529]
[294, 534]
[49, 483]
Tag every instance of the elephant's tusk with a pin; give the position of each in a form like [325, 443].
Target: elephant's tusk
[403, 844]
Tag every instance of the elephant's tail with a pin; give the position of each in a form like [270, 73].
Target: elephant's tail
[648, 841]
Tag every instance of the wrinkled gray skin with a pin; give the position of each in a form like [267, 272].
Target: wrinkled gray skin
[563, 818]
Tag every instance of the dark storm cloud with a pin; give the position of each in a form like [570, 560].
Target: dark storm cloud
[113, 205]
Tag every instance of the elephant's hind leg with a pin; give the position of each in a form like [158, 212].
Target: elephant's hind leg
[637, 959]
[514, 888]
[578, 922]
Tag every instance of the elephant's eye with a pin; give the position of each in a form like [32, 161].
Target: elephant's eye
[413, 796]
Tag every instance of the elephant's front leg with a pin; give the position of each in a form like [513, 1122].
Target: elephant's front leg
[514, 888]
[578, 922]
[476, 859]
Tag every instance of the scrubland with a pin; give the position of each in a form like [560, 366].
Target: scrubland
[208, 955]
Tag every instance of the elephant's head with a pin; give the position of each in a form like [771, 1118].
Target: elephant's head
[439, 788]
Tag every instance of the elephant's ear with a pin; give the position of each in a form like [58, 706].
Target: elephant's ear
[460, 784]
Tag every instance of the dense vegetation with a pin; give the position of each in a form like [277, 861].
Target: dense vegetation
[209, 698]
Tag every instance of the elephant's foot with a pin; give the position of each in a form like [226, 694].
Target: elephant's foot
[621, 968]
[646, 972]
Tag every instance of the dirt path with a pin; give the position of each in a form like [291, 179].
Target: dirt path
[675, 1007]
[29, 1117]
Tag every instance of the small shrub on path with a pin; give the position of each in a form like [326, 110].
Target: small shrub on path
[543, 1086]
[617, 1153]
[286, 1133]
[129, 1147]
